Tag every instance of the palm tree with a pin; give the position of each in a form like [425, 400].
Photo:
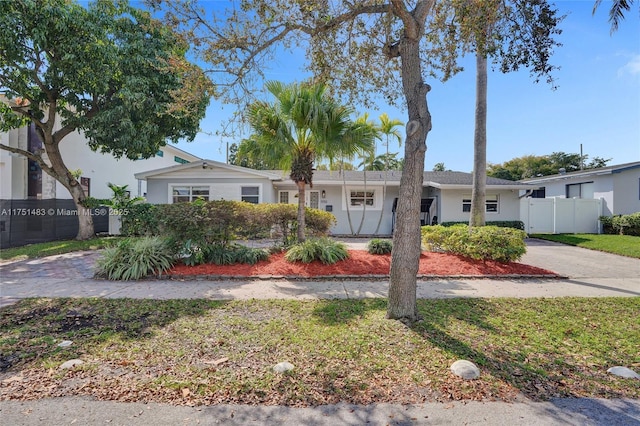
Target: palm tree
[477, 215]
[303, 125]
[373, 162]
[388, 128]
[616, 12]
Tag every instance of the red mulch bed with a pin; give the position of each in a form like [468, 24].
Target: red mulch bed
[361, 262]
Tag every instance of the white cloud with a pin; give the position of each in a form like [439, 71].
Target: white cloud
[632, 67]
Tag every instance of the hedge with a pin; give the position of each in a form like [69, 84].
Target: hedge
[622, 224]
[481, 243]
[220, 222]
[515, 224]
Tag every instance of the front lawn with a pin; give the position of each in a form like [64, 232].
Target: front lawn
[624, 245]
[50, 248]
[207, 352]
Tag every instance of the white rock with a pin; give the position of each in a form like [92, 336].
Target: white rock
[624, 372]
[71, 363]
[65, 344]
[282, 367]
[465, 369]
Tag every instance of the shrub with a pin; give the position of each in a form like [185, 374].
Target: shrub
[134, 259]
[482, 243]
[204, 223]
[515, 224]
[140, 219]
[220, 222]
[323, 249]
[194, 254]
[622, 224]
[378, 246]
[250, 255]
[318, 222]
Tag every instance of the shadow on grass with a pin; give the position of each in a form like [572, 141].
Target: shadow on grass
[532, 370]
[467, 329]
[336, 312]
[569, 239]
[32, 328]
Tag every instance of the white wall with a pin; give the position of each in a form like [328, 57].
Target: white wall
[451, 205]
[619, 191]
[104, 168]
[560, 215]
[13, 167]
[626, 190]
[100, 168]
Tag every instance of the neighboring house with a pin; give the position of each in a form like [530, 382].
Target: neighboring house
[22, 179]
[23, 185]
[618, 186]
[446, 195]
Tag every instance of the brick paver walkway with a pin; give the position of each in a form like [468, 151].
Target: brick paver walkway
[69, 265]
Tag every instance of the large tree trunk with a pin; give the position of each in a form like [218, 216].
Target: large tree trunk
[59, 171]
[405, 256]
[478, 195]
[301, 211]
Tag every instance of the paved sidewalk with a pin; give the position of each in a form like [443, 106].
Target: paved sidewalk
[591, 274]
[84, 411]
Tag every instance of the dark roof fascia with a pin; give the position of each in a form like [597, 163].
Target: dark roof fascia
[600, 171]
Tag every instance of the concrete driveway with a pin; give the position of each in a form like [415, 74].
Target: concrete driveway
[576, 262]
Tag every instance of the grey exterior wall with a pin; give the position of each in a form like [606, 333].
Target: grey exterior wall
[158, 190]
[620, 191]
[451, 205]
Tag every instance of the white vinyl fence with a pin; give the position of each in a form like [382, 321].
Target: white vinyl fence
[561, 215]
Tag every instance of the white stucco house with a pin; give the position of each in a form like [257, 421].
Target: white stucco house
[23, 185]
[446, 195]
[22, 179]
[618, 186]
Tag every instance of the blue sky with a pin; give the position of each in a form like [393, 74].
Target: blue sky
[596, 104]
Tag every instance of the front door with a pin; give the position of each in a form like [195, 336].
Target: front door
[312, 199]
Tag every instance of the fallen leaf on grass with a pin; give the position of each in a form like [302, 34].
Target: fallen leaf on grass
[217, 361]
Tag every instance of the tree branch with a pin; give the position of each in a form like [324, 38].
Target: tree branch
[31, 156]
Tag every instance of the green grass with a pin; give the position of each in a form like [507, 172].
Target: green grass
[624, 245]
[32, 251]
[206, 352]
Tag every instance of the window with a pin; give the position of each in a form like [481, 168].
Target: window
[180, 160]
[360, 198]
[250, 194]
[187, 193]
[580, 190]
[284, 197]
[491, 203]
[160, 153]
[539, 193]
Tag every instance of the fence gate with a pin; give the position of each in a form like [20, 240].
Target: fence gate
[561, 215]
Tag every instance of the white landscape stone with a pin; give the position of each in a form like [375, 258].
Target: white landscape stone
[624, 372]
[465, 369]
[65, 344]
[71, 363]
[283, 367]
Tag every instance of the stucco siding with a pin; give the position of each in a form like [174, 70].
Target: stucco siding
[160, 190]
[626, 187]
[451, 206]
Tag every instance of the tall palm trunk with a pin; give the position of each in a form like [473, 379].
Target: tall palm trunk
[301, 211]
[346, 200]
[364, 202]
[478, 195]
[384, 187]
